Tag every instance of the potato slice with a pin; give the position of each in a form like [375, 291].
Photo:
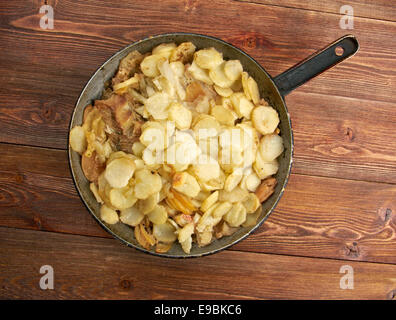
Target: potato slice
[157, 105]
[180, 202]
[149, 65]
[244, 80]
[122, 198]
[221, 209]
[219, 78]
[210, 201]
[164, 232]
[131, 216]
[158, 215]
[251, 182]
[108, 215]
[265, 119]
[123, 86]
[78, 141]
[138, 148]
[251, 219]
[233, 180]
[95, 192]
[119, 171]
[146, 183]
[271, 147]
[187, 245]
[206, 126]
[184, 52]
[251, 203]
[236, 195]
[242, 105]
[224, 92]
[180, 115]
[263, 168]
[186, 184]
[164, 50]
[185, 232]
[236, 216]
[204, 238]
[206, 169]
[224, 115]
[208, 58]
[147, 205]
[253, 90]
[233, 69]
[199, 73]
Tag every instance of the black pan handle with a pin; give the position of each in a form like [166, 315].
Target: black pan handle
[320, 61]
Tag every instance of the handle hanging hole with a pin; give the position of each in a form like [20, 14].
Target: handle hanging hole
[339, 51]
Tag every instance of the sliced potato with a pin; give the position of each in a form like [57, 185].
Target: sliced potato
[186, 232]
[221, 209]
[206, 169]
[157, 105]
[210, 201]
[131, 216]
[180, 115]
[244, 80]
[224, 115]
[265, 169]
[158, 215]
[265, 119]
[138, 148]
[233, 180]
[78, 141]
[236, 216]
[108, 215]
[122, 198]
[253, 90]
[251, 203]
[224, 92]
[242, 105]
[236, 195]
[184, 52]
[251, 219]
[122, 86]
[146, 183]
[186, 184]
[208, 58]
[164, 50]
[149, 65]
[219, 78]
[233, 69]
[271, 147]
[119, 171]
[147, 205]
[200, 74]
[164, 232]
[95, 192]
[206, 126]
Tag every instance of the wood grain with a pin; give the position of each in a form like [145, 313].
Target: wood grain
[378, 9]
[338, 208]
[94, 268]
[317, 216]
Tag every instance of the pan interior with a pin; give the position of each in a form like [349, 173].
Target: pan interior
[268, 90]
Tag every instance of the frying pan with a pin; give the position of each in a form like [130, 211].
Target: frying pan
[273, 89]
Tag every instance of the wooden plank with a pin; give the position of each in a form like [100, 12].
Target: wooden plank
[344, 138]
[49, 68]
[317, 216]
[378, 9]
[92, 268]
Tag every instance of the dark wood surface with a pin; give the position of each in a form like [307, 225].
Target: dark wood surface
[339, 207]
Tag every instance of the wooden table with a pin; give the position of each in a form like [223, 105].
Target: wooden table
[339, 207]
